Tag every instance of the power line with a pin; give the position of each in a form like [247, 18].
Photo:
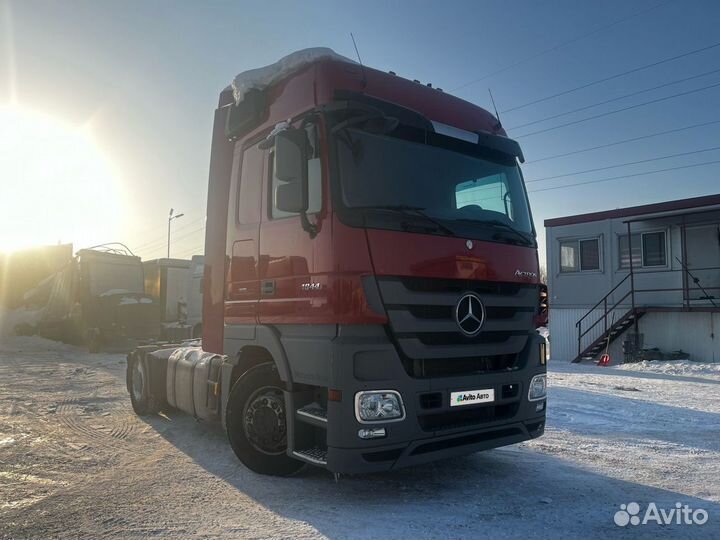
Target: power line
[598, 180]
[623, 141]
[616, 76]
[678, 81]
[153, 249]
[189, 234]
[608, 113]
[558, 46]
[161, 240]
[193, 251]
[659, 158]
[185, 252]
[153, 229]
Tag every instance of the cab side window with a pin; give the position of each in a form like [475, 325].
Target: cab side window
[314, 179]
[247, 180]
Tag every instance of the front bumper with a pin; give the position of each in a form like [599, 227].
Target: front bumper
[383, 458]
[432, 428]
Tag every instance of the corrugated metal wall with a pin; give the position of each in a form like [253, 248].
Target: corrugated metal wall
[690, 332]
[563, 333]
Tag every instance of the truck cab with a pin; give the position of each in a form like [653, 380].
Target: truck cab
[99, 299]
[371, 274]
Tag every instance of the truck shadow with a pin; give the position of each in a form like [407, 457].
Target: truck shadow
[508, 492]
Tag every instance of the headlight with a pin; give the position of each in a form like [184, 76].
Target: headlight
[538, 388]
[379, 406]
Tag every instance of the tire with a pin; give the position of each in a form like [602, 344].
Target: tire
[257, 424]
[24, 329]
[197, 331]
[143, 402]
[94, 340]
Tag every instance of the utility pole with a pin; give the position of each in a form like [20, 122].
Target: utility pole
[170, 218]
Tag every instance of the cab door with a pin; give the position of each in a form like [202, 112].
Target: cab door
[242, 292]
[286, 266]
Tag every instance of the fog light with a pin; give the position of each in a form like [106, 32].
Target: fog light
[379, 406]
[540, 407]
[372, 433]
[538, 388]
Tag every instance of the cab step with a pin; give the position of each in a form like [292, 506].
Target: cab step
[314, 456]
[314, 414]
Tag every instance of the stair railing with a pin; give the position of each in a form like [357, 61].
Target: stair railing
[696, 281]
[605, 311]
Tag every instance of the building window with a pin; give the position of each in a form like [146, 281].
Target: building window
[648, 250]
[653, 248]
[580, 255]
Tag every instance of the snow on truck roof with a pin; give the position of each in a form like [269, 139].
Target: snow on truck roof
[261, 78]
[450, 115]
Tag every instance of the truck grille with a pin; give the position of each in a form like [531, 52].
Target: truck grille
[422, 323]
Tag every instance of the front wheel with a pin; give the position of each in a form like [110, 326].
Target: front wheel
[256, 422]
[94, 340]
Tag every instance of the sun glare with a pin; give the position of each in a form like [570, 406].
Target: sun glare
[55, 183]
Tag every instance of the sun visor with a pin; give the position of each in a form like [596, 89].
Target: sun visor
[481, 138]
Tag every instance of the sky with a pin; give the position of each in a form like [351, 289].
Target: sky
[137, 83]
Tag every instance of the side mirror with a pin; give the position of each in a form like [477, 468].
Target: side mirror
[290, 166]
[290, 197]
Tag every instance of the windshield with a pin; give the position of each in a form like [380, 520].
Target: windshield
[460, 189]
[115, 277]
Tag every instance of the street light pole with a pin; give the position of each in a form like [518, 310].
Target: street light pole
[170, 218]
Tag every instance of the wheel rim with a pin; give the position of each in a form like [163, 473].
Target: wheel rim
[264, 420]
[138, 380]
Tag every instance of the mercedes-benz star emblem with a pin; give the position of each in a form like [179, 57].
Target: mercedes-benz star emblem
[469, 244]
[470, 314]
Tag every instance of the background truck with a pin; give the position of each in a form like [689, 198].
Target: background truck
[191, 310]
[371, 289]
[98, 299]
[166, 280]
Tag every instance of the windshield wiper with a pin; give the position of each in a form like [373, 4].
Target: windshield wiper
[406, 209]
[500, 225]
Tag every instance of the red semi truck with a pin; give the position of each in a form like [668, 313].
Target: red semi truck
[371, 290]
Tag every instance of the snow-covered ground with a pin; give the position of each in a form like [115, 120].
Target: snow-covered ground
[75, 462]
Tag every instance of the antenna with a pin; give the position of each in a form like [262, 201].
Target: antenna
[362, 68]
[497, 114]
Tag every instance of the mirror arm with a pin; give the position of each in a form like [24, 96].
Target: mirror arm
[307, 225]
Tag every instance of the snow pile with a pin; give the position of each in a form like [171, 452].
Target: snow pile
[675, 367]
[125, 300]
[113, 292]
[7, 441]
[34, 344]
[260, 78]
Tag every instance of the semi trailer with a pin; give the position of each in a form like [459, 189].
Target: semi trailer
[371, 283]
